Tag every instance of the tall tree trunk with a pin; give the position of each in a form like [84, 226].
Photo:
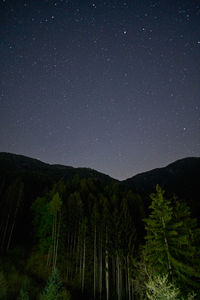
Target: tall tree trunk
[128, 279]
[100, 268]
[77, 249]
[107, 269]
[51, 248]
[80, 253]
[5, 231]
[167, 248]
[57, 239]
[15, 215]
[83, 272]
[118, 278]
[53, 242]
[95, 260]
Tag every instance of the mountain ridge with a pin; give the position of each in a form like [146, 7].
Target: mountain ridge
[174, 163]
[20, 158]
[180, 178]
[10, 162]
[28, 186]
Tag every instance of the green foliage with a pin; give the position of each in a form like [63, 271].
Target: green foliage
[139, 277]
[15, 281]
[23, 295]
[191, 296]
[159, 288]
[159, 231]
[169, 247]
[53, 289]
[42, 222]
[37, 266]
[55, 204]
[65, 294]
[24, 291]
[3, 286]
[92, 232]
[47, 218]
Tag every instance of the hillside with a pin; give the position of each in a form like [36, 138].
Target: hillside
[89, 224]
[180, 178]
[19, 164]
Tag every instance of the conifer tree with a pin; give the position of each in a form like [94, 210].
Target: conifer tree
[53, 289]
[169, 249]
[42, 222]
[159, 231]
[159, 288]
[47, 221]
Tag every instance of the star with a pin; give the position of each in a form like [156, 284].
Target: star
[100, 69]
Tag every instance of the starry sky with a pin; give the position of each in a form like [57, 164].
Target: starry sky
[109, 85]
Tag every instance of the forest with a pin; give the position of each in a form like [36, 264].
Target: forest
[88, 238]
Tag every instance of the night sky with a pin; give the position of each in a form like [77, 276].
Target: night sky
[110, 85]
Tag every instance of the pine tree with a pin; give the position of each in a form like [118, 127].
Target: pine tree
[159, 288]
[47, 221]
[42, 222]
[169, 249]
[53, 289]
[159, 231]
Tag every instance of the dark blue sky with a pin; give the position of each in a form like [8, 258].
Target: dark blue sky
[110, 85]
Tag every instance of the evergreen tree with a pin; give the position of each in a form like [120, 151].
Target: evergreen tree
[139, 276]
[42, 222]
[158, 227]
[53, 289]
[47, 219]
[159, 288]
[168, 248]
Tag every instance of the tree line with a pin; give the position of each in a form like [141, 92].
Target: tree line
[97, 242]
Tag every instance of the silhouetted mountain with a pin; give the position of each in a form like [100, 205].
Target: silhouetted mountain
[37, 178]
[181, 178]
[19, 164]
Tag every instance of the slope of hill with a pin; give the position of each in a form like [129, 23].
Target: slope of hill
[35, 178]
[96, 214]
[19, 164]
[181, 178]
